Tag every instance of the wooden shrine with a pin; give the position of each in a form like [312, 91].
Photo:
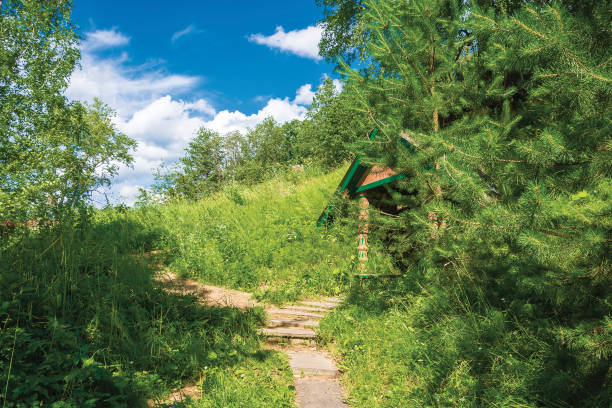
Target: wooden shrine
[365, 183]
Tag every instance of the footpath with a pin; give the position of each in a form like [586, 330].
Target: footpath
[290, 329]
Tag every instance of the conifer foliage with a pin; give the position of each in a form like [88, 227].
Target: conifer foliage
[507, 236]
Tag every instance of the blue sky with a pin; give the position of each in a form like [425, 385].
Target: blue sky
[170, 67]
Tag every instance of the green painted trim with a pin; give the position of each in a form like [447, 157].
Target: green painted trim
[354, 174]
[407, 145]
[324, 215]
[349, 179]
[323, 219]
[352, 186]
[380, 182]
[349, 175]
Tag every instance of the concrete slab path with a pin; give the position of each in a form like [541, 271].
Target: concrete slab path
[318, 393]
[315, 372]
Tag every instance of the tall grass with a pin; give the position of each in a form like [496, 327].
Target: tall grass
[410, 344]
[83, 324]
[261, 239]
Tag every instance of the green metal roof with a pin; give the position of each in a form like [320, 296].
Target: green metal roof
[354, 173]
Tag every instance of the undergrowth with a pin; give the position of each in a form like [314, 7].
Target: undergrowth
[410, 344]
[261, 239]
[261, 381]
[83, 324]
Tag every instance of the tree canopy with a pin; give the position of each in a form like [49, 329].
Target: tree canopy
[53, 152]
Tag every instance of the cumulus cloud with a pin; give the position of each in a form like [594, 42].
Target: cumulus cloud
[282, 110]
[101, 39]
[126, 89]
[152, 109]
[190, 29]
[304, 42]
[164, 122]
[304, 95]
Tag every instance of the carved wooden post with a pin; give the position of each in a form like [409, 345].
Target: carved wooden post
[362, 238]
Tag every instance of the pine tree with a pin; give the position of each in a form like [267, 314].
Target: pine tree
[507, 109]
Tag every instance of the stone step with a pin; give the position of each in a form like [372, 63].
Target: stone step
[306, 308]
[333, 299]
[312, 363]
[289, 332]
[323, 305]
[293, 312]
[313, 392]
[293, 323]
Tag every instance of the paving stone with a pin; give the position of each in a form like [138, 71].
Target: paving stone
[290, 332]
[293, 323]
[323, 305]
[306, 308]
[318, 393]
[315, 373]
[293, 312]
[311, 362]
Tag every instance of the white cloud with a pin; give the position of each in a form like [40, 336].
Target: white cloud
[304, 43]
[201, 106]
[151, 111]
[124, 88]
[304, 95]
[282, 110]
[190, 29]
[338, 84]
[163, 122]
[101, 39]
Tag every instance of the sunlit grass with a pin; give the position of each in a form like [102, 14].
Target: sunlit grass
[261, 239]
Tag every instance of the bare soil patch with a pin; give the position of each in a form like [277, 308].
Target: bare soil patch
[208, 295]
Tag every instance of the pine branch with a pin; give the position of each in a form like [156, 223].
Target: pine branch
[480, 224]
[453, 148]
[571, 55]
[460, 186]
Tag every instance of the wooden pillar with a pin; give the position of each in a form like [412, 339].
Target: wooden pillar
[362, 238]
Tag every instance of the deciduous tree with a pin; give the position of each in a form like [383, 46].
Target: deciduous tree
[53, 152]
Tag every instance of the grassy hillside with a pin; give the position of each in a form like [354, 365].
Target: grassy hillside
[83, 323]
[261, 239]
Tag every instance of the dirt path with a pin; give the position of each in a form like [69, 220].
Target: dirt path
[208, 295]
[290, 329]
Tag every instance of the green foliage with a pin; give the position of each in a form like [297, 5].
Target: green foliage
[268, 143]
[53, 153]
[84, 324]
[264, 380]
[505, 239]
[330, 127]
[261, 238]
[213, 161]
[343, 34]
[198, 173]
